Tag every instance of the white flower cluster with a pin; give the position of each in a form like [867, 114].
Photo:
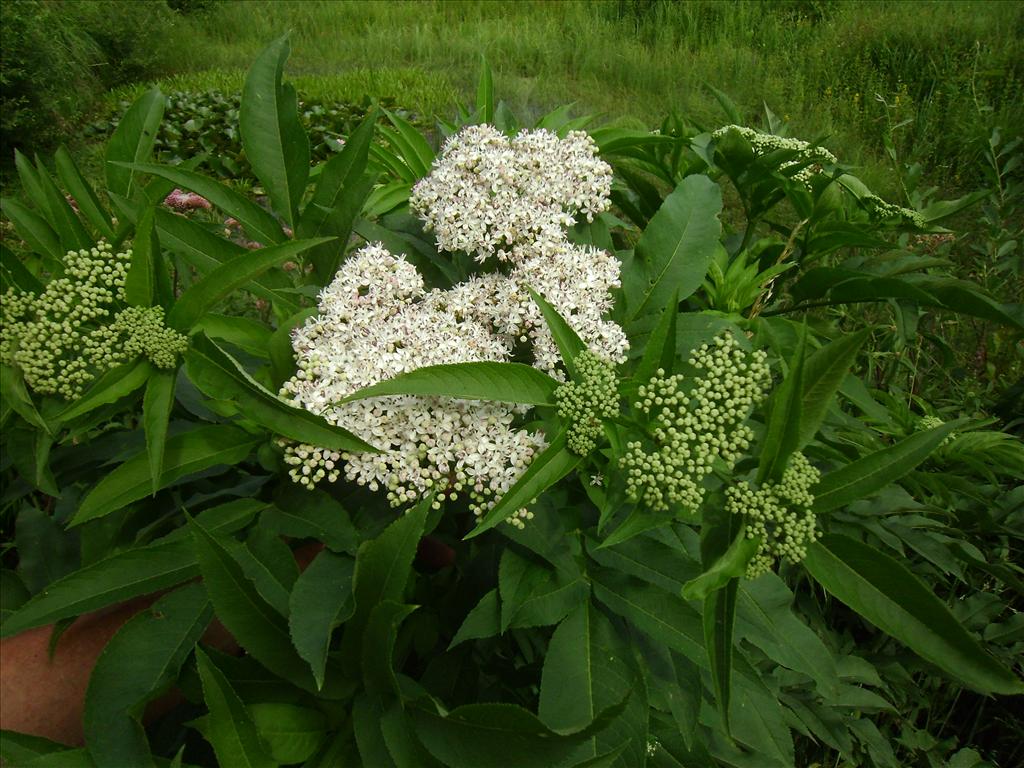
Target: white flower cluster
[695, 426]
[880, 209]
[494, 196]
[506, 200]
[931, 422]
[376, 321]
[764, 143]
[779, 513]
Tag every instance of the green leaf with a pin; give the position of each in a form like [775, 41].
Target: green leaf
[17, 749]
[228, 277]
[313, 514]
[495, 736]
[255, 625]
[568, 341]
[61, 216]
[665, 617]
[719, 614]
[132, 141]
[14, 394]
[367, 722]
[245, 333]
[506, 382]
[873, 472]
[220, 376]
[340, 194]
[892, 598]
[127, 574]
[14, 272]
[383, 566]
[674, 251]
[485, 93]
[291, 733]
[156, 413]
[273, 138]
[732, 564]
[532, 595]
[109, 388]
[206, 251]
[782, 433]
[184, 454]
[259, 223]
[660, 350]
[550, 466]
[138, 663]
[417, 152]
[823, 374]
[379, 647]
[320, 601]
[140, 282]
[33, 229]
[229, 728]
[28, 175]
[483, 621]
[83, 193]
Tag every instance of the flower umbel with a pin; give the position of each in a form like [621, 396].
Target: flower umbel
[584, 404]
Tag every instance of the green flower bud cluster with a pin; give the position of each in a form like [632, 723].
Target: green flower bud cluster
[64, 337]
[585, 403]
[880, 209]
[779, 513]
[764, 143]
[695, 425]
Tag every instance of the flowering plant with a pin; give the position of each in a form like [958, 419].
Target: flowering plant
[573, 480]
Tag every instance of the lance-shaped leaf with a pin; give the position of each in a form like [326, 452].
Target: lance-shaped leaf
[257, 627]
[568, 341]
[220, 376]
[551, 465]
[156, 413]
[416, 151]
[340, 193]
[873, 472]
[505, 382]
[675, 249]
[73, 235]
[184, 454]
[823, 374]
[83, 193]
[485, 93]
[140, 282]
[660, 350]
[109, 388]
[14, 272]
[229, 728]
[379, 647]
[892, 598]
[127, 574]
[319, 602]
[33, 229]
[782, 433]
[15, 396]
[273, 138]
[259, 223]
[732, 564]
[132, 142]
[228, 277]
[135, 666]
[291, 733]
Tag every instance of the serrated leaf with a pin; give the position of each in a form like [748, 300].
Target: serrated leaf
[273, 138]
[504, 382]
[259, 223]
[156, 413]
[184, 454]
[229, 728]
[379, 647]
[675, 249]
[292, 733]
[132, 141]
[320, 601]
[782, 432]
[483, 621]
[873, 472]
[135, 666]
[255, 625]
[824, 373]
[228, 277]
[127, 574]
[892, 598]
[220, 376]
[568, 341]
[550, 466]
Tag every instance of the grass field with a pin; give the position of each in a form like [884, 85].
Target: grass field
[933, 75]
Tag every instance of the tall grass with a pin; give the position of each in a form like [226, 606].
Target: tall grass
[851, 72]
